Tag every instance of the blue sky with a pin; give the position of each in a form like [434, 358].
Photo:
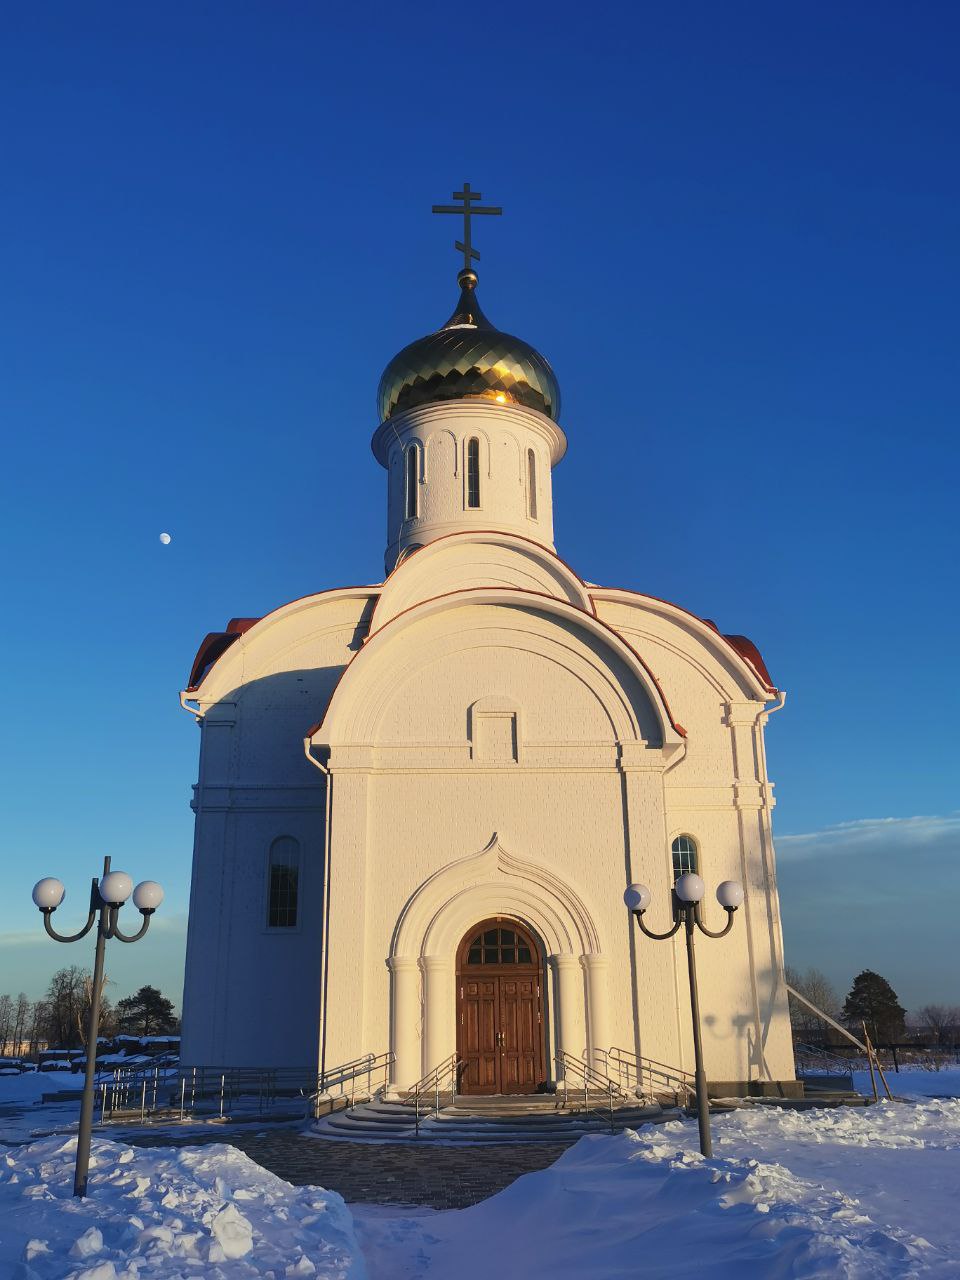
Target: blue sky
[731, 228]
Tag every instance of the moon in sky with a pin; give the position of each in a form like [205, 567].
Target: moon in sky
[165, 539]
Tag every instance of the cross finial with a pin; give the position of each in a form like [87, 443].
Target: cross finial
[466, 210]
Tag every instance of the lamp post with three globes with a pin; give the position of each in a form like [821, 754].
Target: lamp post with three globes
[106, 899]
[687, 895]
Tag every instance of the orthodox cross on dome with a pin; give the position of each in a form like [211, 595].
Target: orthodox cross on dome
[467, 209]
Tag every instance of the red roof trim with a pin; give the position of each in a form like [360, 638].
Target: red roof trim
[750, 653]
[212, 647]
[745, 649]
[237, 627]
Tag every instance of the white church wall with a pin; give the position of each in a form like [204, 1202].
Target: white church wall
[252, 994]
[471, 561]
[719, 794]
[490, 714]
[440, 432]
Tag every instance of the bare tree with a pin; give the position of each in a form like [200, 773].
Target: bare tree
[6, 1017]
[64, 1004]
[817, 988]
[939, 1021]
[21, 1015]
[39, 1017]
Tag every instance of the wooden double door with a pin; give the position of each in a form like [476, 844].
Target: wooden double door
[500, 1038]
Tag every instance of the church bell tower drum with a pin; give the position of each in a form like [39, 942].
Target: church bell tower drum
[468, 433]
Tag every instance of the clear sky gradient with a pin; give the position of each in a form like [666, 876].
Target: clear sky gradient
[731, 228]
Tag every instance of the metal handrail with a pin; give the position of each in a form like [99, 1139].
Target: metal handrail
[590, 1078]
[336, 1078]
[130, 1089]
[633, 1067]
[430, 1083]
[812, 1054]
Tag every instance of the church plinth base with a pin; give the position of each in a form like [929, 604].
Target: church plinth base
[755, 1088]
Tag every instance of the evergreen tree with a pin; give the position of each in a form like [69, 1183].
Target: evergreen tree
[146, 1013]
[872, 1000]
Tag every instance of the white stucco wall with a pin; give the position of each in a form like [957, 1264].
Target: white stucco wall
[491, 737]
[439, 433]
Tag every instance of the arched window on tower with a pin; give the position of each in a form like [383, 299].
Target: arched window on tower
[473, 472]
[283, 886]
[412, 479]
[685, 857]
[531, 484]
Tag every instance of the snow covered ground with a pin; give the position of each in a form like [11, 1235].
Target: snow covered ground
[866, 1194]
[205, 1212]
[913, 1084]
[861, 1194]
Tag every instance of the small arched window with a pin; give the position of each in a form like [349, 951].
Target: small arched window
[684, 850]
[500, 945]
[284, 883]
[412, 477]
[531, 484]
[473, 472]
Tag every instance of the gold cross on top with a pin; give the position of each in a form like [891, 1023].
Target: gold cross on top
[467, 209]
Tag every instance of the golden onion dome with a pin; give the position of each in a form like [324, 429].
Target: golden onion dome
[468, 358]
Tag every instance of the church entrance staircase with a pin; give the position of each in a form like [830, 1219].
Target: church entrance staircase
[487, 1121]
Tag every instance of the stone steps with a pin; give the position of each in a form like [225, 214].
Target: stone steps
[482, 1122]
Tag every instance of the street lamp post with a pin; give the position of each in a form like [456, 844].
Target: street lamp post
[687, 895]
[106, 899]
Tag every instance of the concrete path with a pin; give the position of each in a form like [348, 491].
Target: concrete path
[363, 1173]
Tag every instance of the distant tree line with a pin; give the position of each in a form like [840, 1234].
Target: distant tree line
[59, 1019]
[871, 1000]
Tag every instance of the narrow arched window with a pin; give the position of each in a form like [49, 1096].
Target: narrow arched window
[684, 850]
[284, 883]
[473, 472]
[531, 484]
[412, 479]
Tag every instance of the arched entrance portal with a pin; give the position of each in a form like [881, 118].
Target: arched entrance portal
[500, 1031]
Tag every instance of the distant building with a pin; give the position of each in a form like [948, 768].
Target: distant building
[498, 747]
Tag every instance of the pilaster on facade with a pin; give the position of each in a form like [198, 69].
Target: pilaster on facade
[567, 987]
[405, 1021]
[438, 1002]
[596, 971]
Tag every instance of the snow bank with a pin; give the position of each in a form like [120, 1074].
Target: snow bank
[29, 1086]
[913, 1084]
[781, 1198]
[204, 1211]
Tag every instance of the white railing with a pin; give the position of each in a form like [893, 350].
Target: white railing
[579, 1078]
[646, 1076]
[431, 1086]
[131, 1090]
[344, 1080]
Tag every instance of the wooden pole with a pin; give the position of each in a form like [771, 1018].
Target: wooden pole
[877, 1059]
[826, 1017]
[873, 1078]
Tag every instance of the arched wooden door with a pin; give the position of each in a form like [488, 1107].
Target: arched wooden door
[500, 1038]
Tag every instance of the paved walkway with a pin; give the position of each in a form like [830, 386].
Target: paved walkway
[401, 1173]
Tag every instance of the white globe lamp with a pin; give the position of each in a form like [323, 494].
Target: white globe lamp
[730, 894]
[48, 893]
[147, 896]
[637, 897]
[115, 888]
[690, 888]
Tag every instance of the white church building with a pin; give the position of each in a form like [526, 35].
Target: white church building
[420, 801]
